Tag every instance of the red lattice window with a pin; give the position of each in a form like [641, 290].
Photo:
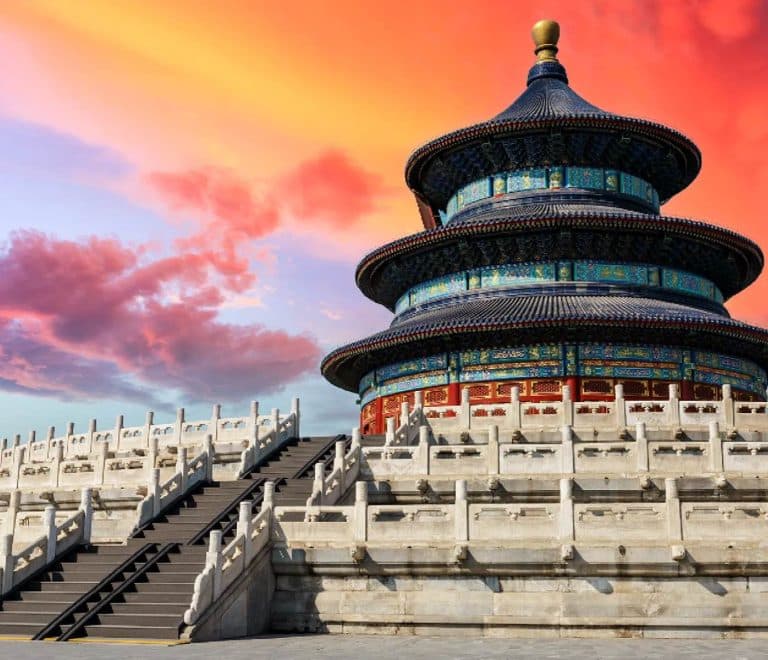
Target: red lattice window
[661, 389]
[391, 404]
[479, 391]
[436, 396]
[369, 411]
[505, 389]
[546, 387]
[634, 388]
[596, 387]
[705, 392]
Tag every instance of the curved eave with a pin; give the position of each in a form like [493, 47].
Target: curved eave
[740, 246]
[689, 152]
[343, 369]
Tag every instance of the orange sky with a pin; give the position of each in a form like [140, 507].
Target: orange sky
[249, 96]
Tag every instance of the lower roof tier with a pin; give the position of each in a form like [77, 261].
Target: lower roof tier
[546, 233]
[592, 364]
[561, 278]
[522, 320]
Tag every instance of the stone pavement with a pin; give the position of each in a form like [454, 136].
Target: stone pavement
[339, 647]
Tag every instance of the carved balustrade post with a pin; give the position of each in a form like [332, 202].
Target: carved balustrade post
[178, 427]
[338, 463]
[7, 562]
[244, 529]
[49, 529]
[405, 415]
[674, 406]
[181, 468]
[356, 437]
[152, 456]
[389, 436]
[567, 530]
[48, 440]
[360, 513]
[101, 463]
[214, 560]
[461, 522]
[275, 422]
[514, 420]
[296, 414]
[566, 448]
[253, 430]
[210, 456]
[149, 420]
[19, 453]
[674, 518]
[154, 490]
[715, 448]
[68, 438]
[213, 425]
[14, 504]
[89, 437]
[567, 417]
[492, 457]
[620, 408]
[423, 451]
[641, 441]
[729, 408]
[58, 458]
[117, 434]
[465, 416]
[318, 485]
[86, 506]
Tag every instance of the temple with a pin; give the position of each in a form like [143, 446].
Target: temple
[563, 431]
[545, 262]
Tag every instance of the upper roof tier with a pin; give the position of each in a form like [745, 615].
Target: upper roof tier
[549, 125]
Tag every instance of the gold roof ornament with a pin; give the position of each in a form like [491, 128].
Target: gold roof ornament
[546, 34]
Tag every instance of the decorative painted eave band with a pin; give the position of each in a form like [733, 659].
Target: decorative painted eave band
[757, 337]
[611, 221]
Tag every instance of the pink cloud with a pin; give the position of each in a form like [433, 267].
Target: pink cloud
[330, 190]
[99, 318]
[218, 195]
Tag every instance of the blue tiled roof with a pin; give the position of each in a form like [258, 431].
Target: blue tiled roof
[505, 308]
[548, 96]
[501, 320]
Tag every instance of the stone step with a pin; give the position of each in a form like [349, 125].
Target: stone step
[173, 608]
[140, 620]
[163, 598]
[70, 586]
[159, 587]
[19, 629]
[41, 618]
[95, 632]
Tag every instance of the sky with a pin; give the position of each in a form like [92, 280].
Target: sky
[186, 187]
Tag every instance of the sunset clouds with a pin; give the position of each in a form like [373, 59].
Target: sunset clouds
[98, 318]
[185, 189]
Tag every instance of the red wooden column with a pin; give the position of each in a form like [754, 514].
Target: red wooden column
[573, 383]
[379, 415]
[454, 394]
[686, 390]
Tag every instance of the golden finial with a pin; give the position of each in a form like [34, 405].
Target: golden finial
[545, 35]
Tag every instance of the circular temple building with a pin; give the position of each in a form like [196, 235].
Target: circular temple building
[545, 261]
